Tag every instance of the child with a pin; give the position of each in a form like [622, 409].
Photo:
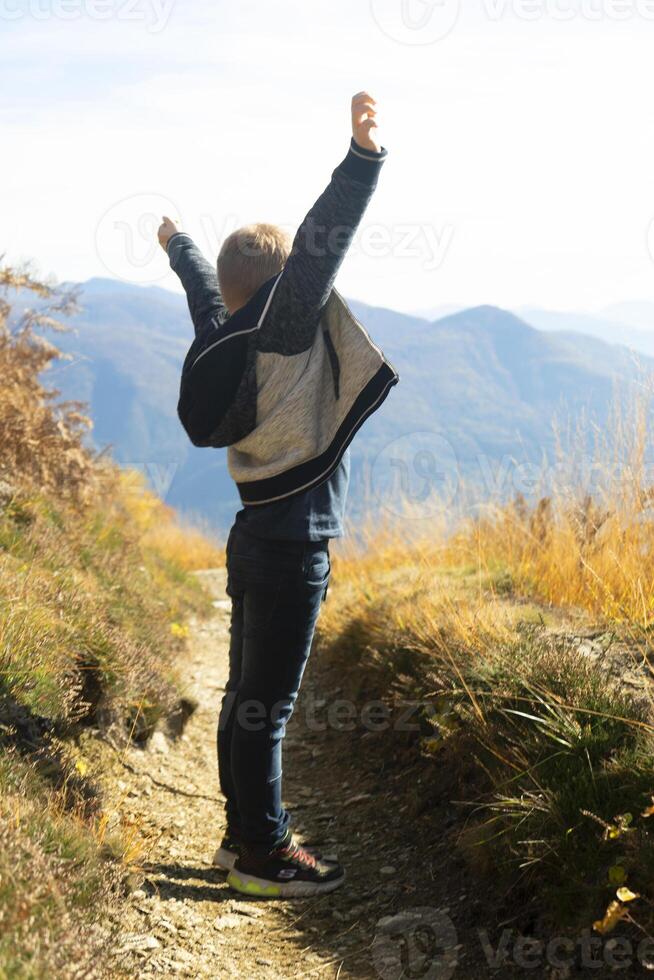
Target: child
[282, 374]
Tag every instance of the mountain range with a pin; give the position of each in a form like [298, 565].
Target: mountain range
[480, 388]
[629, 324]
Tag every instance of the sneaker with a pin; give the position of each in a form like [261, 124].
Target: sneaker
[290, 871]
[225, 856]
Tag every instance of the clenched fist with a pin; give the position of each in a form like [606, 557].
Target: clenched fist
[167, 229]
[364, 122]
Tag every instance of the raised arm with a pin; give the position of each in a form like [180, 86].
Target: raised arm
[198, 277]
[324, 237]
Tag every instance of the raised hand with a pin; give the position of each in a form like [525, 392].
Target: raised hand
[364, 122]
[167, 229]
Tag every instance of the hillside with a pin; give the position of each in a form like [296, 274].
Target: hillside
[483, 383]
[629, 331]
[94, 593]
[489, 382]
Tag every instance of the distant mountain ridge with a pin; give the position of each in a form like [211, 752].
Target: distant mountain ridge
[631, 331]
[480, 384]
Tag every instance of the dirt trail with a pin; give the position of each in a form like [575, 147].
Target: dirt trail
[183, 920]
[375, 812]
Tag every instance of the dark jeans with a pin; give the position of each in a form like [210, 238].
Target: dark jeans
[276, 588]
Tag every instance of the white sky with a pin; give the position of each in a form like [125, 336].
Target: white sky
[521, 166]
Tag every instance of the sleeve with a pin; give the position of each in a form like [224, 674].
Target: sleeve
[199, 279]
[319, 248]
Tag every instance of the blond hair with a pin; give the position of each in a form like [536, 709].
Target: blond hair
[250, 256]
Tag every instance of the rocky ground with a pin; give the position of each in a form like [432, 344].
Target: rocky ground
[411, 906]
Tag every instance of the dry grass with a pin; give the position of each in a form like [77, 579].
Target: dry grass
[41, 437]
[53, 882]
[94, 591]
[589, 547]
[186, 545]
[552, 761]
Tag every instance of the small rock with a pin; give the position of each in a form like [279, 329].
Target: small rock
[168, 926]
[159, 743]
[245, 908]
[113, 820]
[135, 941]
[357, 799]
[7, 492]
[133, 883]
[388, 869]
[230, 921]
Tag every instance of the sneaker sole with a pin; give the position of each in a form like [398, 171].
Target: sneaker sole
[224, 859]
[261, 888]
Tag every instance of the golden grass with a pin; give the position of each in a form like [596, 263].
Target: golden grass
[522, 730]
[178, 541]
[540, 743]
[588, 546]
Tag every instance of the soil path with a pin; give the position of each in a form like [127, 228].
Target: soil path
[183, 920]
[408, 908]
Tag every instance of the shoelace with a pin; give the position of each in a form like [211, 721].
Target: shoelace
[294, 852]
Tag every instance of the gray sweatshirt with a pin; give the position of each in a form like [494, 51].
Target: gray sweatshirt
[287, 381]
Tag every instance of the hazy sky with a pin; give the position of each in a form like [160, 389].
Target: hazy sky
[520, 137]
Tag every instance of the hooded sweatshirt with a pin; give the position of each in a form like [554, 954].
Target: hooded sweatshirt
[286, 381]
